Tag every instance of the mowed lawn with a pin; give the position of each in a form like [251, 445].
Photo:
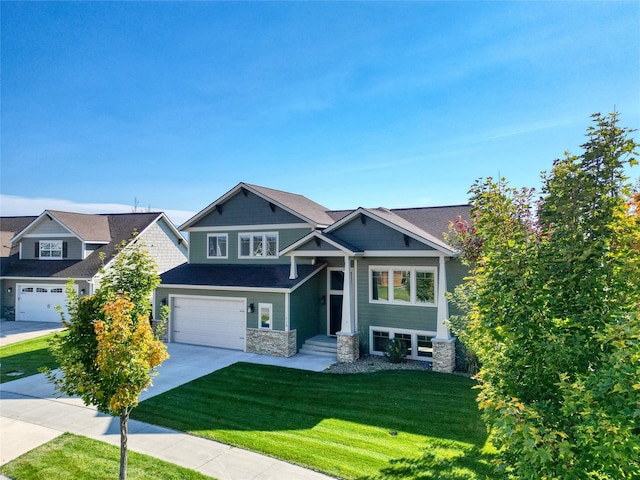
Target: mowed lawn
[72, 457]
[389, 424]
[25, 358]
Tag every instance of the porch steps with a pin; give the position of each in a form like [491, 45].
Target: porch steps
[320, 345]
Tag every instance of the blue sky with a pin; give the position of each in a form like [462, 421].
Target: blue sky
[351, 104]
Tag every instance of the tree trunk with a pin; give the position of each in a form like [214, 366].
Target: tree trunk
[124, 418]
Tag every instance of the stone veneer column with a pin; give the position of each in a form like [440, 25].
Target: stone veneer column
[348, 347]
[444, 355]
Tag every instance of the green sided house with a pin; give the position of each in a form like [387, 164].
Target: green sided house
[275, 273]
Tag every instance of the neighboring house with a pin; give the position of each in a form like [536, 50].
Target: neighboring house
[274, 273]
[40, 253]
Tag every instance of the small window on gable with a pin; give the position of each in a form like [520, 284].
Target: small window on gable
[265, 319]
[50, 249]
[217, 245]
[258, 245]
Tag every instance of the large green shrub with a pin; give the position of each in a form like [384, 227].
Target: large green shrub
[551, 310]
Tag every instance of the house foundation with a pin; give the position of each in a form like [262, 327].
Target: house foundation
[444, 355]
[271, 342]
[348, 347]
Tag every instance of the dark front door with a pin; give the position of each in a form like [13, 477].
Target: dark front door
[336, 282]
[335, 313]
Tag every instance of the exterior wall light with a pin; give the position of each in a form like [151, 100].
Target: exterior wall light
[250, 308]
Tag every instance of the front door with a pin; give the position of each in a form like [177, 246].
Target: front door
[336, 282]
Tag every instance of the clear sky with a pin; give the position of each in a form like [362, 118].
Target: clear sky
[393, 104]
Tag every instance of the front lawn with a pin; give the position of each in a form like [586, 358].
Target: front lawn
[72, 457]
[25, 358]
[389, 424]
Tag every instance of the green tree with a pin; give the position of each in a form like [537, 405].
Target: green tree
[109, 353]
[552, 311]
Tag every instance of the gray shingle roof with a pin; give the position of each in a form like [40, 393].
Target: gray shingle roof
[242, 276]
[9, 227]
[298, 203]
[90, 228]
[121, 227]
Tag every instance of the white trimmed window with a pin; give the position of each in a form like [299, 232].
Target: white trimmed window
[258, 245]
[50, 249]
[217, 245]
[265, 316]
[419, 346]
[403, 285]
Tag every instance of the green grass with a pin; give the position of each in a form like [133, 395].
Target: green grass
[71, 457]
[25, 358]
[393, 424]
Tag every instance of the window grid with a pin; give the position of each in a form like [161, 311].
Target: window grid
[258, 245]
[403, 285]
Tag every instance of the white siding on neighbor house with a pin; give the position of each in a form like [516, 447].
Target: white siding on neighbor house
[47, 227]
[162, 244]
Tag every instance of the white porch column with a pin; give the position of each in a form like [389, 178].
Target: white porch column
[347, 326]
[442, 331]
[293, 270]
[444, 345]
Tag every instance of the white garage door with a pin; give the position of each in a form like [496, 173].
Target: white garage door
[205, 321]
[37, 302]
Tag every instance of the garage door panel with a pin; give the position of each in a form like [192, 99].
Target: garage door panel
[38, 302]
[206, 321]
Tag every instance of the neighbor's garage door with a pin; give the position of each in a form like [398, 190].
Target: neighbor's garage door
[212, 322]
[37, 302]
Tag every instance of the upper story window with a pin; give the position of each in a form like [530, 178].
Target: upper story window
[403, 286]
[217, 245]
[258, 245]
[50, 249]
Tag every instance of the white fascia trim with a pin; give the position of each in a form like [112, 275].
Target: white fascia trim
[46, 279]
[23, 233]
[186, 226]
[224, 289]
[404, 253]
[54, 235]
[290, 250]
[305, 279]
[234, 228]
[389, 224]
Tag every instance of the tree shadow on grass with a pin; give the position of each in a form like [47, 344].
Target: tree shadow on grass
[441, 461]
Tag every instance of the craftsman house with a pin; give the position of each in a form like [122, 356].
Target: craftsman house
[40, 253]
[275, 273]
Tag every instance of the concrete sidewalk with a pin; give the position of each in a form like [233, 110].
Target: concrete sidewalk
[12, 332]
[30, 415]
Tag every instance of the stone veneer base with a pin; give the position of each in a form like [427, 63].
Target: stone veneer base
[348, 347]
[271, 342]
[444, 355]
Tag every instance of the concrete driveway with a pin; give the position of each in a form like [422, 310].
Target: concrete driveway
[31, 414]
[12, 332]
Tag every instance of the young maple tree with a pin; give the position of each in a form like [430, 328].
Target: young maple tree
[109, 352]
[552, 310]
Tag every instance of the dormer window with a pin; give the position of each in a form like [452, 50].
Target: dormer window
[50, 249]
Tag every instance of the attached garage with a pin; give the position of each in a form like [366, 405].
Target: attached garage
[214, 322]
[38, 302]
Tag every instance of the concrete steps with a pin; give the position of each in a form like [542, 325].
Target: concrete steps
[320, 345]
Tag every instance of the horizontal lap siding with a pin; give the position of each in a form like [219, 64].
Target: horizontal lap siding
[74, 247]
[198, 246]
[307, 313]
[389, 315]
[246, 210]
[276, 299]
